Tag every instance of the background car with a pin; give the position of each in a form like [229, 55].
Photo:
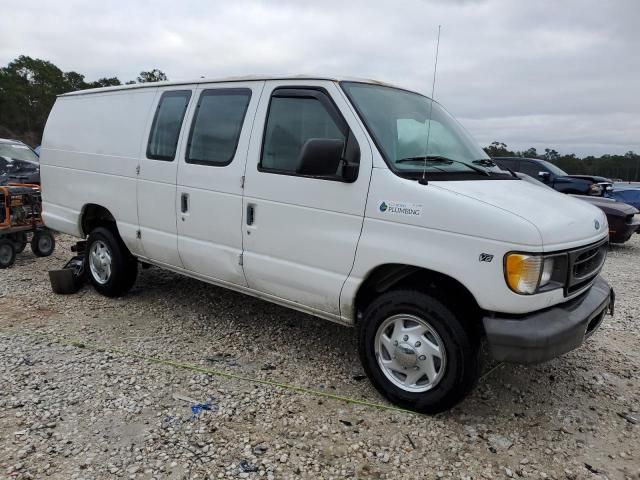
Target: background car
[628, 195]
[18, 163]
[623, 219]
[606, 183]
[555, 177]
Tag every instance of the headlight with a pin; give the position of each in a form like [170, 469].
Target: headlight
[547, 271]
[531, 273]
[523, 272]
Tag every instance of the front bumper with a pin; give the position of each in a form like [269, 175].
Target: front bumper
[549, 333]
[623, 231]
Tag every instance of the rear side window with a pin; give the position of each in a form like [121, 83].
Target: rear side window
[165, 130]
[216, 126]
[291, 122]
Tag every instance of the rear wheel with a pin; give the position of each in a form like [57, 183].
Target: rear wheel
[43, 244]
[416, 352]
[7, 253]
[112, 268]
[20, 241]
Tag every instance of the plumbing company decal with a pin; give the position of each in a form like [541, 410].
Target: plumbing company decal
[400, 208]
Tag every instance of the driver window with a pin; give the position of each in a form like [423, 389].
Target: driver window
[290, 123]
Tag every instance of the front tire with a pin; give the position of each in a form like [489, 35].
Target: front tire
[43, 243]
[111, 267]
[416, 352]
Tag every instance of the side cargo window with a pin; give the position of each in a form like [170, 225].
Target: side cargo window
[165, 130]
[216, 126]
[295, 117]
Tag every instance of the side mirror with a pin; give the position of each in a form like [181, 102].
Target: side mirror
[544, 176]
[320, 157]
[350, 172]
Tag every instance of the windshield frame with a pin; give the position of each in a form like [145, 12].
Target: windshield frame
[415, 174]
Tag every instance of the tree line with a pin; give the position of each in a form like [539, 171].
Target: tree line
[28, 89]
[625, 167]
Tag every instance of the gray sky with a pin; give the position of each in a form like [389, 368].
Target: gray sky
[562, 74]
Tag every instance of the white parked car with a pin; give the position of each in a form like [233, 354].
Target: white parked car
[357, 202]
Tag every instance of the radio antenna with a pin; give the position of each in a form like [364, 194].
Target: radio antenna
[433, 89]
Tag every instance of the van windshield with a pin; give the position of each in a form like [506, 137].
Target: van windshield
[412, 133]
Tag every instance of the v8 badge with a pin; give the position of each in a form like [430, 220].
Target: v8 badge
[485, 257]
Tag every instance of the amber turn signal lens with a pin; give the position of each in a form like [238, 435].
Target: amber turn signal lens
[523, 272]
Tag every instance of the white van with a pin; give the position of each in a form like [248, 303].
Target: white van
[354, 201]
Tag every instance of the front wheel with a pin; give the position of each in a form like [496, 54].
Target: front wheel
[416, 352]
[112, 268]
[43, 243]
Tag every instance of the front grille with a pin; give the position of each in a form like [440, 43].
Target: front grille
[585, 264]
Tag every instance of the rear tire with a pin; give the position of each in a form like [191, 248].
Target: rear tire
[20, 241]
[7, 253]
[110, 266]
[426, 372]
[43, 243]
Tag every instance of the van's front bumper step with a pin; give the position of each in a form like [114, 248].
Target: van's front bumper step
[549, 333]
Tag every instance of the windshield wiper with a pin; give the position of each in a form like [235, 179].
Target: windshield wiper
[443, 161]
[485, 162]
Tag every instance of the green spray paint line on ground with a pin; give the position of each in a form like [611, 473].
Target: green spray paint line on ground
[81, 343]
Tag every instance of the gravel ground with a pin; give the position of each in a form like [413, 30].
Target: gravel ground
[75, 401]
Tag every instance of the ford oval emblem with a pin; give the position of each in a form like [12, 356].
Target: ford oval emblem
[596, 224]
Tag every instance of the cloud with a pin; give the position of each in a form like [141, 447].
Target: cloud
[545, 73]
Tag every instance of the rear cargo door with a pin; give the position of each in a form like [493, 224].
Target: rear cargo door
[158, 168]
[210, 180]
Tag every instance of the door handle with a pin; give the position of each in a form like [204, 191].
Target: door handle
[184, 203]
[251, 213]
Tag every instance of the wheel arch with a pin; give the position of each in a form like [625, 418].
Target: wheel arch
[392, 276]
[93, 215]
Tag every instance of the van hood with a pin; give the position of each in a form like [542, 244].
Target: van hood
[559, 218]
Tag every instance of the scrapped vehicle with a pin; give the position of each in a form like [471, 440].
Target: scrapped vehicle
[21, 217]
[354, 201]
[623, 219]
[555, 177]
[18, 163]
[604, 182]
[630, 195]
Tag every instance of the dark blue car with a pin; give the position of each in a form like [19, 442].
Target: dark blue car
[626, 195]
[555, 177]
[18, 163]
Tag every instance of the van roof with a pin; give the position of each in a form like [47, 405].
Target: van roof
[223, 80]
